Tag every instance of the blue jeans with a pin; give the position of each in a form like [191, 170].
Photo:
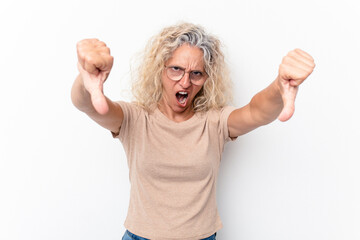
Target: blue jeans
[130, 236]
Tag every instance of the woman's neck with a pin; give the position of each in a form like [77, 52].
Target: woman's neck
[176, 116]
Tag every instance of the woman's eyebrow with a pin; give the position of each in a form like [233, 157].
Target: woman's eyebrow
[174, 65]
[192, 70]
[182, 68]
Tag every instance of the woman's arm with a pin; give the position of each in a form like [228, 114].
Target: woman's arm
[277, 100]
[94, 64]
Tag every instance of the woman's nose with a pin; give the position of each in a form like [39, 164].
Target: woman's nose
[185, 81]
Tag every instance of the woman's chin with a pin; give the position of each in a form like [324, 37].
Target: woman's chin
[176, 106]
[179, 109]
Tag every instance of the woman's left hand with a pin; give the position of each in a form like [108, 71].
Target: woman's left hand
[296, 66]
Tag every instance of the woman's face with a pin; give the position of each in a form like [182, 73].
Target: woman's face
[177, 96]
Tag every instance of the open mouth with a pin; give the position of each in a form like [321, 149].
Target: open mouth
[181, 98]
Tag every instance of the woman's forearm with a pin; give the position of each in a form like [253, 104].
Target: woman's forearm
[266, 105]
[80, 97]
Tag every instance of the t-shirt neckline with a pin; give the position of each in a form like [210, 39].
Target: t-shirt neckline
[161, 116]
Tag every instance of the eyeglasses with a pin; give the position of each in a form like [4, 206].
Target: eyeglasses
[176, 73]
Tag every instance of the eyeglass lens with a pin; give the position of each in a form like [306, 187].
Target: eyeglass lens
[177, 73]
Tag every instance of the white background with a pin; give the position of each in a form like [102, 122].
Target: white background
[64, 177]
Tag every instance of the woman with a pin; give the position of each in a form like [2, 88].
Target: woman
[175, 131]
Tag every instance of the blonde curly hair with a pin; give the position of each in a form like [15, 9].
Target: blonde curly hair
[147, 87]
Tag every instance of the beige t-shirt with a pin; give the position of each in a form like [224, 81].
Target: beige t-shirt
[173, 169]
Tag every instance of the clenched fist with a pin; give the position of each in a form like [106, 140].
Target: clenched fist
[296, 66]
[94, 64]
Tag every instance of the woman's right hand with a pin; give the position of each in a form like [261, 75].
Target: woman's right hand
[94, 64]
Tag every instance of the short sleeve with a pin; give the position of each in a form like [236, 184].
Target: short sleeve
[224, 115]
[131, 112]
